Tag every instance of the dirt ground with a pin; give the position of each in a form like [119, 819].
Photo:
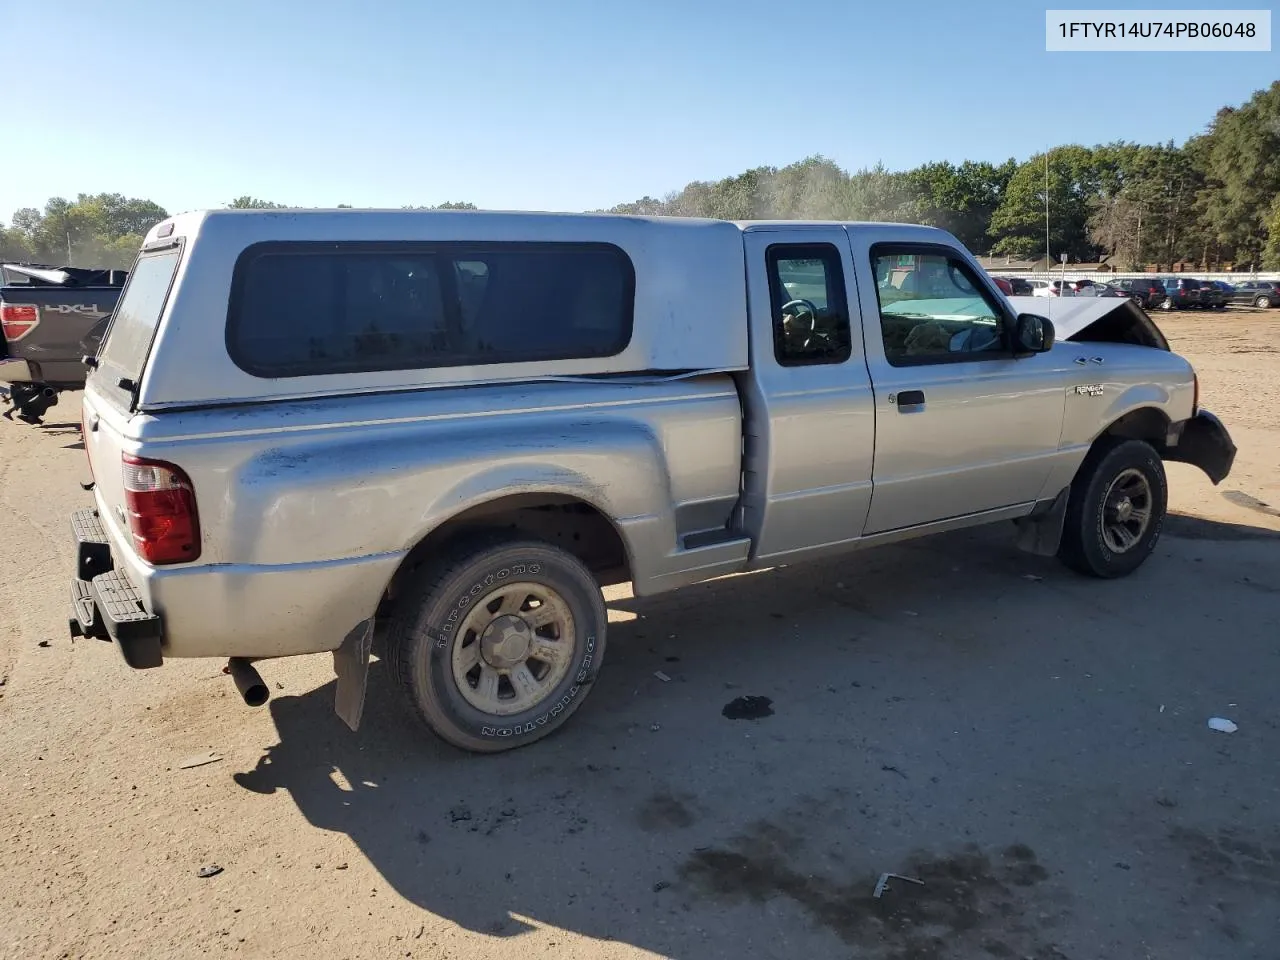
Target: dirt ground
[1032, 745]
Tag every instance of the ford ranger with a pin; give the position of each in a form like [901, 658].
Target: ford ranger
[451, 429]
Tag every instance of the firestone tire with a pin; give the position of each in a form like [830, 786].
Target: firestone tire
[1090, 537]
[431, 629]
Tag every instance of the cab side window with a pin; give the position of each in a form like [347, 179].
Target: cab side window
[810, 311]
[933, 309]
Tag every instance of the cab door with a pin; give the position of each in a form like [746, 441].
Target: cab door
[962, 426]
[810, 418]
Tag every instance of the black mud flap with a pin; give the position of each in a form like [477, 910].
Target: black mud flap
[1040, 532]
[1204, 442]
[351, 664]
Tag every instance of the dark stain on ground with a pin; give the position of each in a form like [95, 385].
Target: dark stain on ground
[1021, 867]
[665, 811]
[1230, 856]
[968, 902]
[748, 708]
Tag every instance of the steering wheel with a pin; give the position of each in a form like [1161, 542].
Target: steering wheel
[809, 308]
[958, 279]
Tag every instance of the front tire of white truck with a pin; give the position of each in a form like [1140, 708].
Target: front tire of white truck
[1116, 509]
[497, 644]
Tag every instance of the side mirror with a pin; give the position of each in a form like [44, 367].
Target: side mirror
[1032, 334]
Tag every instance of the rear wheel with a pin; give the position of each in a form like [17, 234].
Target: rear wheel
[497, 645]
[1263, 302]
[1116, 509]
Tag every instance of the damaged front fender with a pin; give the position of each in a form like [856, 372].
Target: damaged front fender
[1204, 442]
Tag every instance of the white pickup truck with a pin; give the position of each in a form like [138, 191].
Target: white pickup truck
[304, 426]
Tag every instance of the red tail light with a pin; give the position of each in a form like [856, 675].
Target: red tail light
[18, 319]
[161, 506]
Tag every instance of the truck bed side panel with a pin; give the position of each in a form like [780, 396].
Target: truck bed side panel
[328, 496]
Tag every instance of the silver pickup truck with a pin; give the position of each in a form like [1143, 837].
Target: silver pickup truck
[449, 430]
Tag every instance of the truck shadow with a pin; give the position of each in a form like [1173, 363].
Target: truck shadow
[653, 818]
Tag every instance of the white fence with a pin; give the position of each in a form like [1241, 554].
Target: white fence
[1104, 277]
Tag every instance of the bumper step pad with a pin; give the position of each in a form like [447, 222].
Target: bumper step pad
[104, 601]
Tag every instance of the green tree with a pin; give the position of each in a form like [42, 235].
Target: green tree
[1239, 158]
[253, 203]
[961, 199]
[95, 230]
[813, 189]
[1271, 253]
[1018, 224]
[881, 195]
[13, 245]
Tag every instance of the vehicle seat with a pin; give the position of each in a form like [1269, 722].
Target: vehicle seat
[928, 337]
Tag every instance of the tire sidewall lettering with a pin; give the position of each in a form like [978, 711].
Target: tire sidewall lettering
[447, 631]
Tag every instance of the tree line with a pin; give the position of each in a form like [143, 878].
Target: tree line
[103, 230]
[1213, 201]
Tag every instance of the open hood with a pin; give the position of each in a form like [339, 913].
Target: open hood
[1095, 319]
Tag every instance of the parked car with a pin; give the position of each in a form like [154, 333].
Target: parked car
[306, 426]
[1258, 293]
[1055, 288]
[51, 317]
[1214, 294]
[1107, 290]
[1021, 287]
[1181, 293]
[1005, 286]
[1147, 293]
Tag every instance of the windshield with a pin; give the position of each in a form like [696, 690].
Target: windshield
[138, 314]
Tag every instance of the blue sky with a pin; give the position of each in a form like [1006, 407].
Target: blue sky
[552, 104]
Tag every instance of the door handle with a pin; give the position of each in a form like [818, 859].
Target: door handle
[910, 401]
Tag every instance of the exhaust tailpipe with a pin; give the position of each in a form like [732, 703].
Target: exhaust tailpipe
[248, 681]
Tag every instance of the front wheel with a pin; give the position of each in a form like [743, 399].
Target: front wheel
[499, 643]
[1115, 511]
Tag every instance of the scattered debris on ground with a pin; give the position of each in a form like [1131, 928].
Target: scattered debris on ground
[883, 883]
[1222, 725]
[199, 760]
[210, 871]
